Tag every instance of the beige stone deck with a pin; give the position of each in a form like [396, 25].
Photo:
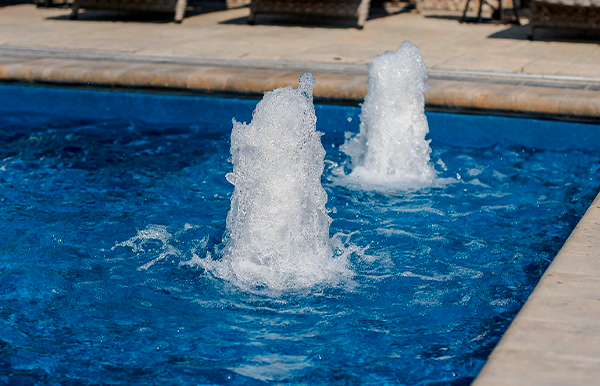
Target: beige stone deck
[445, 44]
[554, 340]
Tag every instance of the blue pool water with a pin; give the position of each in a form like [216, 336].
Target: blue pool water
[104, 195]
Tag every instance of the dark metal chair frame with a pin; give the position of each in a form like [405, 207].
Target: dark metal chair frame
[500, 10]
[170, 6]
[568, 15]
[350, 9]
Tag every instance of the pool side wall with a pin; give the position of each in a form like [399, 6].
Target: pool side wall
[471, 130]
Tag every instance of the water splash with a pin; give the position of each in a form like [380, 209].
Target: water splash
[157, 240]
[143, 242]
[390, 152]
[278, 228]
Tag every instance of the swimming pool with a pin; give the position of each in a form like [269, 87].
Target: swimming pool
[97, 186]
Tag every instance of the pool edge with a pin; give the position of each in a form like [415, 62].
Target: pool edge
[509, 93]
[555, 338]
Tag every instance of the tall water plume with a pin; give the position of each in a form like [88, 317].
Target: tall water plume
[390, 152]
[278, 228]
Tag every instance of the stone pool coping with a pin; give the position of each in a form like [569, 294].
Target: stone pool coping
[543, 95]
[555, 339]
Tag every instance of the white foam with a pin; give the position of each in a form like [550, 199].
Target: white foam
[390, 152]
[142, 242]
[277, 227]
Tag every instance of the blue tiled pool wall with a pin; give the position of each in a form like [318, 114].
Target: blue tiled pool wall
[453, 129]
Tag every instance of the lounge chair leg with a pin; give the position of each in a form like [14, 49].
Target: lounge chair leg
[530, 32]
[363, 13]
[180, 10]
[464, 16]
[516, 5]
[254, 5]
[362, 19]
[501, 11]
[252, 18]
[75, 10]
[479, 11]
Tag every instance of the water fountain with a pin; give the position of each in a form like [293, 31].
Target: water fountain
[390, 152]
[278, 228]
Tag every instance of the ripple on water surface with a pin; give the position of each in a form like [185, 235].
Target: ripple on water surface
[102, 219]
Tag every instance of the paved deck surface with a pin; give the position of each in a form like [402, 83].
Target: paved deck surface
[554, 340]
[445, 44]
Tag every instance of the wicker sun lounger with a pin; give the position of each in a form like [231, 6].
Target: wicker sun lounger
[566, 14]
[169, 6]
[350, 9]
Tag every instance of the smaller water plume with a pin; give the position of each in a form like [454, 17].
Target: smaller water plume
[390, 152]
[278, 228]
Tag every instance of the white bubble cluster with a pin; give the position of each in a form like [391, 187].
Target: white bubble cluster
[278, 228]
[390, 152]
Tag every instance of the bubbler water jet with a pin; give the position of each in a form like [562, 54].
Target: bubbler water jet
[277, 227]
[390, 151]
